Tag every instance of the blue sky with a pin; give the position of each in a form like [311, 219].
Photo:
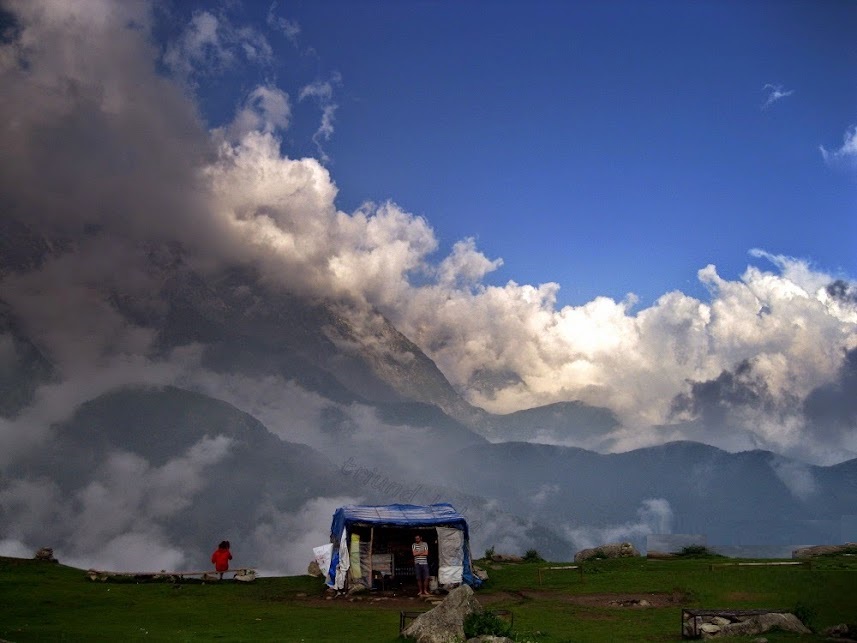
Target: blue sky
[610, 147]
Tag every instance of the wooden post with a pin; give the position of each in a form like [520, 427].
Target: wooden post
[371, 554]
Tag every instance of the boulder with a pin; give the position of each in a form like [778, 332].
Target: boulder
[96, 575]
[245, 575]
[762, 623]
[445, 622]
[506, 558]
[611, 550]
[841, 632]
[824, 550]
[480, 573]
[738, 623]
[709, 629]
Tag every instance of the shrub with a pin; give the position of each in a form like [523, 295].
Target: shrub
[847, 550]
[683, 595]
[479, 623]
[697, 551]
[806, 614]
[489, 553]
[532, 556]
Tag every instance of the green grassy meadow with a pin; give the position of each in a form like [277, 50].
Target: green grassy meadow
[41, 601]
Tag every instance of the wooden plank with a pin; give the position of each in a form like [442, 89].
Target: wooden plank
[789, 563]
[164, 573]
[212, 571]
[771, 564]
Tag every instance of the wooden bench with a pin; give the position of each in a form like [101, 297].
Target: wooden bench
[789, 563]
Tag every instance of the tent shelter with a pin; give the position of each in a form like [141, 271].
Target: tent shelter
[372, 545]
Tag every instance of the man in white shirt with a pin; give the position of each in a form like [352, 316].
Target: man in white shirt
[421, 567]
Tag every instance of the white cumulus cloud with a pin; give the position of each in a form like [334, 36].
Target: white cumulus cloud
[210, 44]
[266, 110]
[847, 152]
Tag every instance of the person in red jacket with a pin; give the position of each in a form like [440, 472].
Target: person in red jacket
[221, 557]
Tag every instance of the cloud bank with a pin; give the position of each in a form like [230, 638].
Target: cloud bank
[654, 516]
[105, 146]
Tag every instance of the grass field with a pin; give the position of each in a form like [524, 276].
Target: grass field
[41, 601]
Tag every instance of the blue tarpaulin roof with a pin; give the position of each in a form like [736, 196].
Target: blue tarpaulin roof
[439, 515]
[443, 514]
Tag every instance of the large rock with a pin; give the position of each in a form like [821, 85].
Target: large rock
[735, 623]
[709, 629]
[245, 575]
[825, 550]
[611, 550]
[445, 622]
[841, 632]
[764, 623]
[506, 558]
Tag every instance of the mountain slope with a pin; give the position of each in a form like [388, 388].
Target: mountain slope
[752, 497]
[336, 349]
[170, 466]
[561, 422]
[23, 367]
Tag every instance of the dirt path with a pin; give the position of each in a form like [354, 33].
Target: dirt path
[589, 600]
[390, 600]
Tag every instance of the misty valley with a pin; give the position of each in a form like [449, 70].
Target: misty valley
[251, 413]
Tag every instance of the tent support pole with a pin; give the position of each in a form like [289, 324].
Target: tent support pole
[371, 555]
